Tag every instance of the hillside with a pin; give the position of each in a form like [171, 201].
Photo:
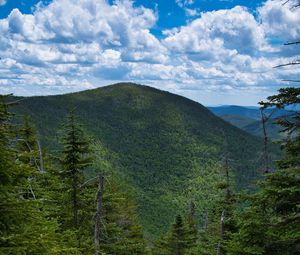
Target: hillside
[238, 120]
[249, 119]
[166, 146]
[247, 112]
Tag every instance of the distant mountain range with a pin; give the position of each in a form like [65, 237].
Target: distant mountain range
[249, 119]
[167, 147]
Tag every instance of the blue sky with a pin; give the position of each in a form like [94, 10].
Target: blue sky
[171, 13]
[212, 51]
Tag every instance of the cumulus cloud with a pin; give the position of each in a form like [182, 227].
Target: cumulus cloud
[278, 21]
[234, 29]
[225, 51]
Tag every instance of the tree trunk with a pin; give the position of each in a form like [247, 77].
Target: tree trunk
[264, 120]
[219, 252]
[99, 214]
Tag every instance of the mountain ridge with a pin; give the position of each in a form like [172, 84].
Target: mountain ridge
[166, 145]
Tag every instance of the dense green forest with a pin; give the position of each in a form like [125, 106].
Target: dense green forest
[168, 148]
[128, 169]
[249, 119]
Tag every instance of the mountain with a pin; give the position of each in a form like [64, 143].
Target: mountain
[273, 130]
[238, 120]
[249, 119]
[167, 147]
[248, 112]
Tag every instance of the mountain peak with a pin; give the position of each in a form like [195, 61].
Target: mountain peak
[162, 143]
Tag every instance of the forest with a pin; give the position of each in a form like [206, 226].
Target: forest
[73, 199]
[130, 169]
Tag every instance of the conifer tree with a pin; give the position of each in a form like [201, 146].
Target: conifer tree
[178, 240]
[192, 230]
[222, 222]
[73, 201]
[24, 227]
[74, 161]
[121, 232]
[271, 224]
[182, 238]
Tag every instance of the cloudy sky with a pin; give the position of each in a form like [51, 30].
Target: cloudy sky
[212, 51]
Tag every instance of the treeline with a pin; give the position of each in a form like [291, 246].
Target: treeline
[49, 204]
[264, 223]
[73, 202]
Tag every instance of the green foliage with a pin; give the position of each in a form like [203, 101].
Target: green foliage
[182, 238]
[270, 224]
[24, 226]
[75, 160]
[162, 144]
[121, 232]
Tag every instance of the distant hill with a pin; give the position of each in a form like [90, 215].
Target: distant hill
[238, 120]
[167, 147]
[249, 119]
[234, 110]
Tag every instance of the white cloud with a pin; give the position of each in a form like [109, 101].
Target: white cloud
[233, 30]
[226, 51]
[184, 3]
[280, 21]
[192, 12]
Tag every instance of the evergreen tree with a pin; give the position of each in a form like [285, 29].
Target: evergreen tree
[271, 223]
[178, 240]
[222, 222]
[182, 238]
[24, 227]
[121, 232]
[192, 230]
[74, 213]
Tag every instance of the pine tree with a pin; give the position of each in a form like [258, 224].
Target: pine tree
[24, 227]
[222, 222]
[192, 230]
[271, 223]
[74, 213]
[178, 242]
[121, 232]
[182, 237]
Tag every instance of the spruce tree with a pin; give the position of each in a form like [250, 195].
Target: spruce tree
[192, 230]
[74, 161]
[121, 232]
[24, 227]
[178, 242]
[270, 225]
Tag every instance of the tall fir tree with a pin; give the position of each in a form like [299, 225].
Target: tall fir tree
[182, 239]
[75, 159]
[120, 232]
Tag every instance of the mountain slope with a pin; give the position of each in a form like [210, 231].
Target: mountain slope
[249, 119]
[167, 147]
[249, 112]
[238, 120]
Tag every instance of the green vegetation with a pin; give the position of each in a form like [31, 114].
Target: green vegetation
[47, 207]
[249, 120]
[270, 224]
[168, 148]
[80, 200]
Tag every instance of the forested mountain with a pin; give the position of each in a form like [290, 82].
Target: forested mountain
[168, 148]
[247, 112]
[249, 119]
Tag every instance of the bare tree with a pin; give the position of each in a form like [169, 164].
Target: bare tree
[99, 205]
[293, 5]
